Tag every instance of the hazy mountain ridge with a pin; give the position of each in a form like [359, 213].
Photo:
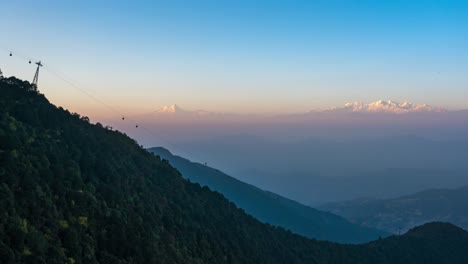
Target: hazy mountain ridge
[320, 171]
[272, 208]
[406, 212]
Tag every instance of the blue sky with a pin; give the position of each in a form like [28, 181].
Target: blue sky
[241, 56]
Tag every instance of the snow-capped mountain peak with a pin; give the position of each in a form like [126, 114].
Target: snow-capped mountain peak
[170, 109]
[176, 110]
[388, 106]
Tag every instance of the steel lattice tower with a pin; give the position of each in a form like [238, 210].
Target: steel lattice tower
[36, 76]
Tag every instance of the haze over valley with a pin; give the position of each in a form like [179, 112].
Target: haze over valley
[382, 149]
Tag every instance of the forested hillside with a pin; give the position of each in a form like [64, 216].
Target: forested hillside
[74, 192]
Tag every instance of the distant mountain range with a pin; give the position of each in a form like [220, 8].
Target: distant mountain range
[381, 106]
[406, 212]
[388, 106]
[272, 208]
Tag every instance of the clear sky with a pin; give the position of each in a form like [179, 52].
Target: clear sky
[241, 56]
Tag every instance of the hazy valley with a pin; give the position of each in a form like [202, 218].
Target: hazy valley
[403, 213]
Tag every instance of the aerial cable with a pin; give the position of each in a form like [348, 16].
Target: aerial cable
[74, 85]
[15, 53]
[66, 79]
[77, 87]
[124, 117]
[138, 124]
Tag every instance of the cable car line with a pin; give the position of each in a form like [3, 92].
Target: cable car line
[124, 117]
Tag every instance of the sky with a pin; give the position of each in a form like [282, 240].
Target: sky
[238, 56]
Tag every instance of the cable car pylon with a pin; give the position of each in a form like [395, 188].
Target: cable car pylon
[36, 76]
[67, 80]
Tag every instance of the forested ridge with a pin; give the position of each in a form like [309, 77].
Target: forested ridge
[76, 192]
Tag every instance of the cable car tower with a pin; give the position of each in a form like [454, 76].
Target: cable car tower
[1, 74]
[36, 76]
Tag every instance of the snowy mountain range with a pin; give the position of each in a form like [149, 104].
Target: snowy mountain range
[381, 106]
[386, 107]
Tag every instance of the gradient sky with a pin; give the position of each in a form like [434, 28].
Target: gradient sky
[240, 56]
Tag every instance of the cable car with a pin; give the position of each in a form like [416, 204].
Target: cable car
[136, 126]
[11, 54]
[123, 118]
[29, 61]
